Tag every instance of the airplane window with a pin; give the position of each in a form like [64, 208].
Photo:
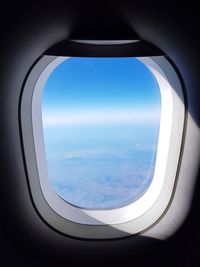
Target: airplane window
[101, 119]
[98, 139]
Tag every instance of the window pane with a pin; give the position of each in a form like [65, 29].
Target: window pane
[101, 121]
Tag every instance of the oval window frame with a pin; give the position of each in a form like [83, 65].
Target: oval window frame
[114, 222]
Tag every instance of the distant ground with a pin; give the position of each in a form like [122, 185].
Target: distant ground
[94, 170]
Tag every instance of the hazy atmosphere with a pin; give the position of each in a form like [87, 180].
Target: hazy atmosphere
[101, 123]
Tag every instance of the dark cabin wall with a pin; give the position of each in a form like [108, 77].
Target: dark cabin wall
[27, 30]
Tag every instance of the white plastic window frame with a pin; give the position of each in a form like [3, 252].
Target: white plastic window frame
[106, 223]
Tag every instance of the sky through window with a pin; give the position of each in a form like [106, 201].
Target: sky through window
[101, 124]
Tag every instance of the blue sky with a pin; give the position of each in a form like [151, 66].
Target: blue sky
[85, 90]
[101, 125]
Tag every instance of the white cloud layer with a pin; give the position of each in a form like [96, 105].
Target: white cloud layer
[97, 117]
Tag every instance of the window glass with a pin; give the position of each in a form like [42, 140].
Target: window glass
[101, 121]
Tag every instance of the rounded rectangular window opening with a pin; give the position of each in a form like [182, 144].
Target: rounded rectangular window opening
[101, 121]
[98, 142]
